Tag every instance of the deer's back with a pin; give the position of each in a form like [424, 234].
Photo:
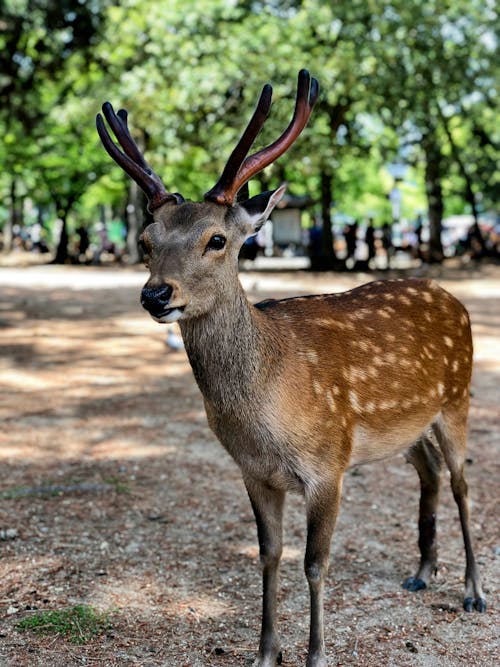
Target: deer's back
[376, 363]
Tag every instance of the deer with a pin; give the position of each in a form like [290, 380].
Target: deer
[301, 389]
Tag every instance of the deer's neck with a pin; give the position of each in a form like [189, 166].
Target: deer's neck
[227, 350]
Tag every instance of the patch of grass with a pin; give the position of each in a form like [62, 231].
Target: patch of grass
[79, 624]
[17, 492]
[56, 490]
[119, 485]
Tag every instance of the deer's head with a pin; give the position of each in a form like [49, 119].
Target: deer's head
[192, 248]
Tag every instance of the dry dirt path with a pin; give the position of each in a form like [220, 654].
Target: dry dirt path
[146, 515]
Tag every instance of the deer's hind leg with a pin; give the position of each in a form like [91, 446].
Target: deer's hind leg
[451, 434]
[426, 460]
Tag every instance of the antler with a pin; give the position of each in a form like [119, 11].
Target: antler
[240, 169]
[131, 161]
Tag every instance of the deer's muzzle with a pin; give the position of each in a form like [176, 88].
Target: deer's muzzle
[156, 299]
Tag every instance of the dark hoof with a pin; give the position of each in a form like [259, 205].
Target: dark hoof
[279, 659]
[479, 604]
[415, 584]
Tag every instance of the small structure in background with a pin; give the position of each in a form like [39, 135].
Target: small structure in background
[287, 231]
[283, 235]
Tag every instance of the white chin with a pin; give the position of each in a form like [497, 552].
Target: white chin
[170, 317]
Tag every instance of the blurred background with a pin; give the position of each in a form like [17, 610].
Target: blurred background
[398, 164]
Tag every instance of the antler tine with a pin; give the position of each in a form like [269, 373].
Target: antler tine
[132, 160]
[217, 193]
[224, 192]
[307, 94]
[125, 138]
[120, 158]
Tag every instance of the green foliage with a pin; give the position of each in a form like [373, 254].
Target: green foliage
[399, 80]
[79, 624]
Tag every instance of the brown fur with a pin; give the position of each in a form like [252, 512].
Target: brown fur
[300, 389]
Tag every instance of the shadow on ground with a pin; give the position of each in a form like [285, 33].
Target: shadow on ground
[147, 516]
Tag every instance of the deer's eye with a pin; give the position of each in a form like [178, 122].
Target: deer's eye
[217, 242]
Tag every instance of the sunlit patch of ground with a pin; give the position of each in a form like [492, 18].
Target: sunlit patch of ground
[120, 497]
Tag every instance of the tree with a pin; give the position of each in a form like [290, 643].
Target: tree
[38, 41]
[434, 56]
[395, 77]
[64, 170]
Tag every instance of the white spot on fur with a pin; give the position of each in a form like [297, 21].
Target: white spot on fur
[454, 366]
[428, 297]
[354, 401]
[448, 341]
[440, 389]
[331, 401]
[358, 374]
[312, 356]
[317, 387]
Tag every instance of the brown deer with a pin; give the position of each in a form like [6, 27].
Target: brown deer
[299, 390]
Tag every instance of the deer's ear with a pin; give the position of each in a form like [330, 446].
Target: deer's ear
[260, 207]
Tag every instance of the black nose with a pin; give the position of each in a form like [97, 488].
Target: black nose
[156, 299]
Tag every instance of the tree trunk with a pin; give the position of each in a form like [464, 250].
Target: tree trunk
[328, 261]
[321, 250]
[469, 194]
[63, 209]
[433, 165]
[62, 245]
[8, 235]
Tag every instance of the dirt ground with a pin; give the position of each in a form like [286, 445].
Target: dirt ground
[114, 493]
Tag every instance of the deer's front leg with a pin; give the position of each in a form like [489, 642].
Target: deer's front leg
[267, 505]
[322, 509]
